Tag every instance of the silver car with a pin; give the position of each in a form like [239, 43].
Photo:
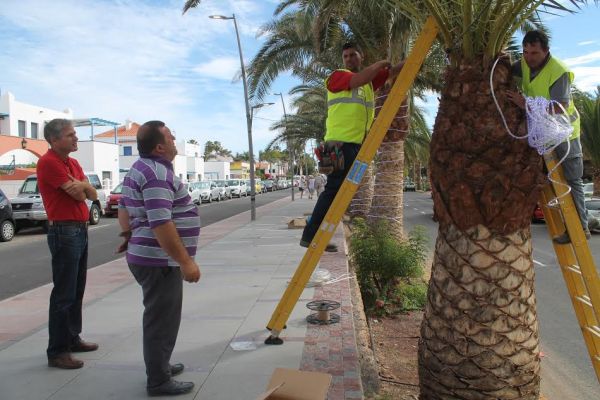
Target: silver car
[237, 187]
[208, 191]
[593, 213]
[224, 189]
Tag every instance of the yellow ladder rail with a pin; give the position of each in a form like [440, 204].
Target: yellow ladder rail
[575, 260]
[348, 189]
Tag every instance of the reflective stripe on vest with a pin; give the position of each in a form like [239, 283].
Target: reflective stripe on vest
[540, 87]
[350, 113]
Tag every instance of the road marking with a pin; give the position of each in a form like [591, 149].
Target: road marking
[539, 263]
[416, 209]
[423, 212]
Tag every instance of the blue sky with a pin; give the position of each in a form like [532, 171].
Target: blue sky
[142, 60]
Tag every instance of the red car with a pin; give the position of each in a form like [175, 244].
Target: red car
[538, 214]
[112, 202]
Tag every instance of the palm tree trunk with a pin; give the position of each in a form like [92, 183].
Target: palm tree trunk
[479, 337]
[418, 180]
[361, 202]
[388, 194]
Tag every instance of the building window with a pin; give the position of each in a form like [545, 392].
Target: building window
[126, 150]
[34, 130]
[22, 127]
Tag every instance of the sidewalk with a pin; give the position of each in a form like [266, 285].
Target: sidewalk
[245, 269]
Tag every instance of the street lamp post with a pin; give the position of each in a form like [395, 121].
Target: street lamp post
[248, 117]
[290, 151]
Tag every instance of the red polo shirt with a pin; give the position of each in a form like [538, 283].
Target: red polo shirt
[52, 173]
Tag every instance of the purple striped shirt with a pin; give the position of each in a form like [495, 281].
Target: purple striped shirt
[153, 195]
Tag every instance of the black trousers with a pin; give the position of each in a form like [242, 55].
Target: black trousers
[162, 288]
[334, 182]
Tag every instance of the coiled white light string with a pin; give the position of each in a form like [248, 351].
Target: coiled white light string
[545, 129]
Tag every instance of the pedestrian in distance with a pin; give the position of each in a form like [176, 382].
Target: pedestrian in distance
[319, 184]
[350, 113]
[543, 75]
[311, 186]
[161, 226]
[65, 189]
[301, 186]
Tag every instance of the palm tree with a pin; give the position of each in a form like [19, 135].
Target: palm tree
[479, 337]
[416, 145]
[589, 109]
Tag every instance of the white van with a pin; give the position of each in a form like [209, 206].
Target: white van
[28, 208]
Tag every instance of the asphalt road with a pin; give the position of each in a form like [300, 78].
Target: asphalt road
[567, 371]
[25, 261]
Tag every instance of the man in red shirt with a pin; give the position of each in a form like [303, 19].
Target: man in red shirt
[64, 189]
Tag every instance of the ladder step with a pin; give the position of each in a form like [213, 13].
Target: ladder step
[594, 330]
[585, 299]
[574, 268]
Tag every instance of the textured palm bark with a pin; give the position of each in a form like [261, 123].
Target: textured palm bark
[479, 337]
[361, 202]
[388, 194]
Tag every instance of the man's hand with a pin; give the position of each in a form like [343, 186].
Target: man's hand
[517, 98]
[190, 271]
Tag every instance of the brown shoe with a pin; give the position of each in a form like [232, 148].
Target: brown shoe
[82, 346]
[65, 361]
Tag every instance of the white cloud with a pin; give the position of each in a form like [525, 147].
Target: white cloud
[586, 42]
[584, 59]
[587, 78]
[219, 68]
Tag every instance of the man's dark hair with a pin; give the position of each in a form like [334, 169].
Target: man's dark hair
[352, 45]
[149, 136]
[533, 37]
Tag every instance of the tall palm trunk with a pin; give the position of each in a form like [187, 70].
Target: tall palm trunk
[479, 337]
[361, 202]
[417, 173]
[388, 194]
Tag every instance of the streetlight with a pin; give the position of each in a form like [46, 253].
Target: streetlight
[290, 152]
[248, 116]
[252, 172]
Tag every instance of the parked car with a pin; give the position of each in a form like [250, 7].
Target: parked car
[248, 187]
[224, 189]
[593, 213]
[238, 187]
[269, 185]
[258, 186]
[282, 184]
[7, 222]
[538, 214]
[209, 191]
[112, 201]
[588, 190]
[28, 207]
[409, 186]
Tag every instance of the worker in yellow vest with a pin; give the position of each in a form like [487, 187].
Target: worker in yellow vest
[542, 75]
[350, 113]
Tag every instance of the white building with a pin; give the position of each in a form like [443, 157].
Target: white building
[187, 165]
[217, 167]
[26, 121]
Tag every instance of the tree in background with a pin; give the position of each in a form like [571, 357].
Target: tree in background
[213, 149]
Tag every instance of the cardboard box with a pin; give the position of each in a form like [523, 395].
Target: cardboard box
[292, 384]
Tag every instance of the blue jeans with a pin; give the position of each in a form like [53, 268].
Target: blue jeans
[69, 249]
[573, 170]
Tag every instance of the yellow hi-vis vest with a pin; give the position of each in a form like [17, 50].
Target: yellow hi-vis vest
[350, 113]
[540, 87]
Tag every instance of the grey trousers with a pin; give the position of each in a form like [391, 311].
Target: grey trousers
[162, 288]
[573, 170]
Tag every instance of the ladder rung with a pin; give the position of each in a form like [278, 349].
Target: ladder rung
[595, 330]
[585, 299]
[574, 268]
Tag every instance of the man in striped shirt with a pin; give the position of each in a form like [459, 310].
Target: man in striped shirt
[161, 226]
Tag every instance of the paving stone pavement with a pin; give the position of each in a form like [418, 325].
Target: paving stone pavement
[245, 269]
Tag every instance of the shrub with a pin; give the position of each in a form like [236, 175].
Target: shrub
[382, 262]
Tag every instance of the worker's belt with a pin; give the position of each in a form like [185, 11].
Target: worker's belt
[68, 223]
[330, 156]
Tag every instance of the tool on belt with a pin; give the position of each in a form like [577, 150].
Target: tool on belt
[330, 156]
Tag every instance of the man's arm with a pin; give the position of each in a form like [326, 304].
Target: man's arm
[368, 74]
[171, 243]
[79, 190]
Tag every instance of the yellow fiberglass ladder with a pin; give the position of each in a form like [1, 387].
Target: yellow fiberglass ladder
[348, 189]
[575, 260]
